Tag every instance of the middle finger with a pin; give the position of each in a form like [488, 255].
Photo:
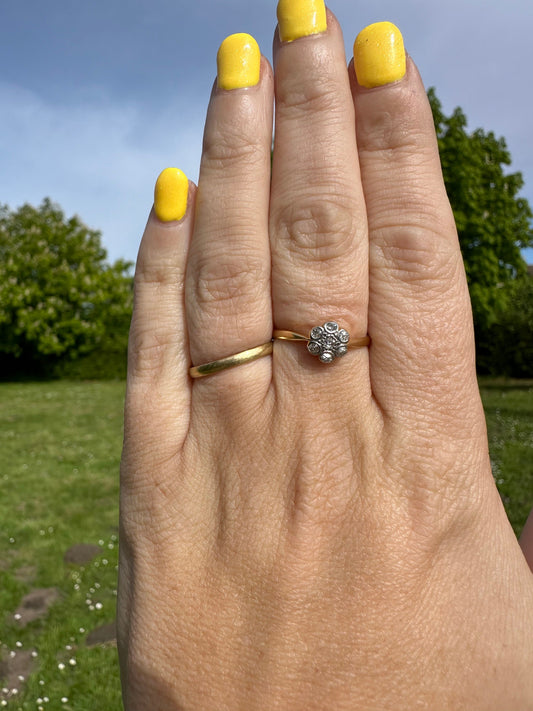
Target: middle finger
[317, 219]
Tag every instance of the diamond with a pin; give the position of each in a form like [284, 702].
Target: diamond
[328, 341]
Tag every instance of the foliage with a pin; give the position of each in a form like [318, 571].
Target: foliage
[59, 299]
[493, 221]
[509, 351]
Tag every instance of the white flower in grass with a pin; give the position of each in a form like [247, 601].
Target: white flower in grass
[98, 605]
[101, 543]
[82, 630]
[60, 666]
[35, 654]
[39, 701]
[20, 677]
[46, 699]
[64, 699]
[72, 662]
[18, 644]
[17, 616]
[3, 702]
[41, 682]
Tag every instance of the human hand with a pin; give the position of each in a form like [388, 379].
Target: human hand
[296, 535]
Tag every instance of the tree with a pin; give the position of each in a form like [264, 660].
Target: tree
[493, 221]
[58, 296]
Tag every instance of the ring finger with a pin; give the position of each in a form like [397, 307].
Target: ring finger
[228, 275]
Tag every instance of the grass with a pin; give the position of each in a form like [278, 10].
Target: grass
[509, 412]
[59, 456]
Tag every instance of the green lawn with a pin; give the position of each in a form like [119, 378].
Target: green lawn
[59, 455]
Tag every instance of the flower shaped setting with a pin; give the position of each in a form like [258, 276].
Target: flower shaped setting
[328, 342]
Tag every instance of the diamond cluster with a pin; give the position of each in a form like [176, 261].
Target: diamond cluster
[328, 341]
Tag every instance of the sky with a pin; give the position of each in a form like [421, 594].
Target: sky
[97, 97]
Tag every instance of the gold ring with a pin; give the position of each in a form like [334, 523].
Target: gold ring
[200, 371]
[327, 342]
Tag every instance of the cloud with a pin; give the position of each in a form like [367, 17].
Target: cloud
[96, 158]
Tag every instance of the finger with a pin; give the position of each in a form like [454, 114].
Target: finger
[318, 224]
[158, 354]
[419, 312]
[228, 275]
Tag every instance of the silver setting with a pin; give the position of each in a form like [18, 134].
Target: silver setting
[328, 342]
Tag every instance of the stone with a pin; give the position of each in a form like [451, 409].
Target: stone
[35, 605]
[22, 664]
[102, 635]
[81, 553]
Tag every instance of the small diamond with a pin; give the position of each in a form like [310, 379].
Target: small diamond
[317, 332]
[331, 327]
[344, 336]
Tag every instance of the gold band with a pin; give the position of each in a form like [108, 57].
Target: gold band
[200, 371]
[292, 336]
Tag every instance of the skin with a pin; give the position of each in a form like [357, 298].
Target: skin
[297, 535]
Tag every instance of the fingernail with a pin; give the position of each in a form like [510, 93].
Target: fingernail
[300, 18]
[379, 55]
[238, 62]
[170, 195]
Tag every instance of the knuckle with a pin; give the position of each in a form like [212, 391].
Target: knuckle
[317, 230]
[418, 255]
[149, 349]
[230, 282]
[229, 145]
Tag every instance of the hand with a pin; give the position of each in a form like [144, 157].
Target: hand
[296, 535]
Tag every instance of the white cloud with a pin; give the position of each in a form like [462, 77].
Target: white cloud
[95, 158]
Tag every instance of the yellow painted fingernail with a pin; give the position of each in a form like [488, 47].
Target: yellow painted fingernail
[238, 62]
[170, 195]
[379, 55]
[299, 18]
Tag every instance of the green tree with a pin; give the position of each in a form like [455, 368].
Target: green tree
[59, 298]
[493, 221]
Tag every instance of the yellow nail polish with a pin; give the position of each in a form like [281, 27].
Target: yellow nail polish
[379, 55]
[170, 195]
[299, 18]
[238, 62]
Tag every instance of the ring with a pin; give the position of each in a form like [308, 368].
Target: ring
[200, 371]
[327, 342]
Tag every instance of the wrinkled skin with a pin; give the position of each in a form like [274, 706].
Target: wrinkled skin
[304, 536]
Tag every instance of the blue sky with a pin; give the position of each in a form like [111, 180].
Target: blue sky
[97, 97]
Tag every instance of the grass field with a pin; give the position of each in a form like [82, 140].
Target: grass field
[59, 455]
